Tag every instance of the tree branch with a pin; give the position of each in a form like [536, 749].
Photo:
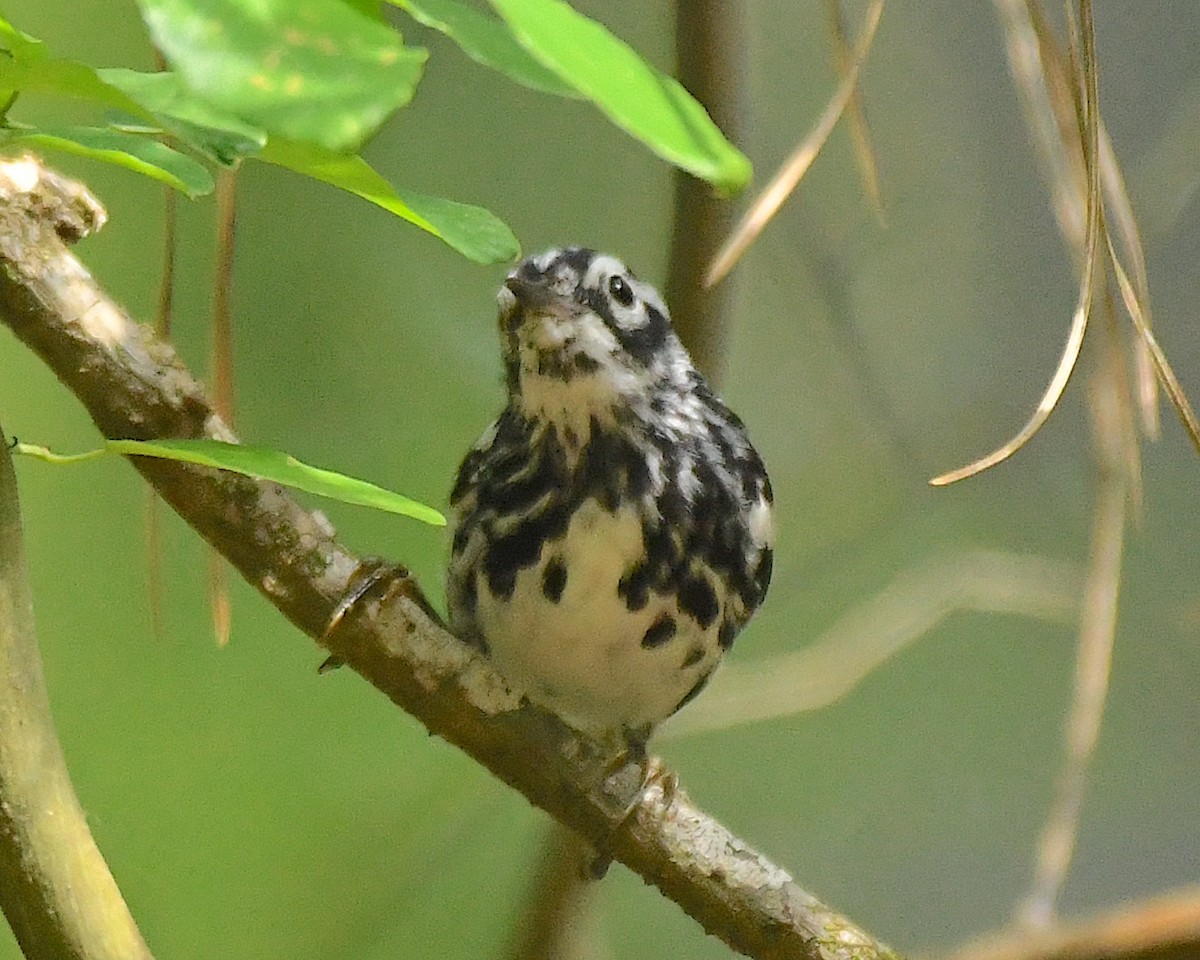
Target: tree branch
[134, 386]
[55, 888]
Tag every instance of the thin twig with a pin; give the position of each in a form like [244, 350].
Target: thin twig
[134, 385]
[222, 375]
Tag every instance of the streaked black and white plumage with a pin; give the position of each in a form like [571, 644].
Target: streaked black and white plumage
[613, 527]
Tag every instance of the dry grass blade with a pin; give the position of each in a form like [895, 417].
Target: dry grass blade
[218, 599]
[1066, 96]
[1120, 217]
[1048, 98]
[1057, 103]
[785, 180]
[1058, 383]
[1154, 352]
[864, 151]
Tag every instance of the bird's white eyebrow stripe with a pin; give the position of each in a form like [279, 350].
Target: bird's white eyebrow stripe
[603, 266]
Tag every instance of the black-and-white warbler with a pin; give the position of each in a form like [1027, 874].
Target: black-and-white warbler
[613, 527]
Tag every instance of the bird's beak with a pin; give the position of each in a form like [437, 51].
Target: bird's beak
[532, 294]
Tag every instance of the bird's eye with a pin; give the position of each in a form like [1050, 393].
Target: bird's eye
[620, 290]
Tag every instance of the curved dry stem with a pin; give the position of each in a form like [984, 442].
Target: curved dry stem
[1089, 135]
[767, 204]
[1045, 407]
[864, 151]
[1162, 369]
[134, 386]
[55, 888]
[1120, 216]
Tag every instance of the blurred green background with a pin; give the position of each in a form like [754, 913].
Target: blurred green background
[250, 807]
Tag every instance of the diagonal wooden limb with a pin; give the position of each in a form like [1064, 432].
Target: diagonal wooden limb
[134, 385]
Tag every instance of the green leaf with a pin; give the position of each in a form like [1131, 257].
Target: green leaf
[486, 41]
[260, 462]
[314, 70]
[141, 154]
[476, 233]
[650, 105]
[22, 46]
[368, 8]
[216, 134]
[66, 78]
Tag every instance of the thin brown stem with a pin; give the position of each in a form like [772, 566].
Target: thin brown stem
[772, 197]
[162, 326]
[222, 365]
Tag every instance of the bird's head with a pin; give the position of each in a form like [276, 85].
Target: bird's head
[581, 335]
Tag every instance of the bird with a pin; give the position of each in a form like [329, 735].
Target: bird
[613, 527]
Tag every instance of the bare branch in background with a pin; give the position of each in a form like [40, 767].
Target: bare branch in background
[1112, 410]
[552, 923]
[877, 629]
[134, 386]
[710, 54]
[1165, 928]
[711, 63]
